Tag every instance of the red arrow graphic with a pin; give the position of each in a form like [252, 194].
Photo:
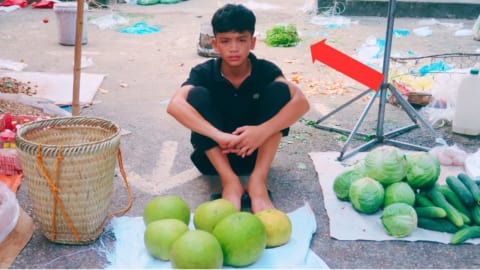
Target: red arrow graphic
[345, 64]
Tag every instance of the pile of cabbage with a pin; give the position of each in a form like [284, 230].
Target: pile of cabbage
[387, 179]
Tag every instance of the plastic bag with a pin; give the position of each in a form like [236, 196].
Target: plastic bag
[9, 211]
[449, 155]
[472, 165]
[20, 3]
[43, 4]
[444, 94]
[476, 29]
[147, 2]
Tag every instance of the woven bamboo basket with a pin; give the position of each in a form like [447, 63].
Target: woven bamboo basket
[69, 167]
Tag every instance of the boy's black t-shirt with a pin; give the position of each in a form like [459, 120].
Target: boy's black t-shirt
[237, 105]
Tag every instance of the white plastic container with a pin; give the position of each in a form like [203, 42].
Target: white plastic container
[66, 13]
[467, 106]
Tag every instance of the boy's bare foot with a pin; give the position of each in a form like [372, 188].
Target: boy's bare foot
[259, 197]
[233, 192]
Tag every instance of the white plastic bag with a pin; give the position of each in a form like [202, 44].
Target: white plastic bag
[472, 165]
[449, 155]
[9, 211]
[476, 29]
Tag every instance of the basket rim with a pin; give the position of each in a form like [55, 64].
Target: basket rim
[42, 123]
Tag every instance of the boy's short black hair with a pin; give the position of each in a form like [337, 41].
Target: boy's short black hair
[233, 17]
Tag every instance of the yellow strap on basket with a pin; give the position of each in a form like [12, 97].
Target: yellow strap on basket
[54, 190]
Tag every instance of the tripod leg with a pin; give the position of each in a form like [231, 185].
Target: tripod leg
[343, 106]
[402, 102]
[357, 125]
[414, 115]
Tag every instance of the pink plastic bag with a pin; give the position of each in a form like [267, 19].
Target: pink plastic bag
[449, 155]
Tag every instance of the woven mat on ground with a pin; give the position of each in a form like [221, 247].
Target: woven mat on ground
[58, 87]
[346, 223]
[129, 250]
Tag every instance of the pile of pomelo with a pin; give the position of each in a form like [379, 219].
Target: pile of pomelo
[222, 235]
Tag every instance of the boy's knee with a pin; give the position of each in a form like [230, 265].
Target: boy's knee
[279, 89]
[199, 95]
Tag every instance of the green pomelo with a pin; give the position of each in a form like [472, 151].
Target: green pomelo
[160, 235]
[209, 213]
[168, 206]
[196, 249]
[243, 238]
[277, 225]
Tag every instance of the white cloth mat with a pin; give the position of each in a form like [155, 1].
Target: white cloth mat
[348, 224]
[130, 252]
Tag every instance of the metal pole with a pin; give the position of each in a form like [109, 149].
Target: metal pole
[385, 68]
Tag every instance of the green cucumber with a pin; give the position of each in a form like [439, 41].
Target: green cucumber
[476, 214]
[437, 224]
[466, 220]
[430, 212]
[464, 234]
[422, 201]
[439, 200]
[471, 185]
[454, 200]
[461, 190]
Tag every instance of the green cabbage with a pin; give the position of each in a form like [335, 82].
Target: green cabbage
[341, 184]
[399, 192]
[423, 170]
[366, 195]
[386, 164]
[399, 219]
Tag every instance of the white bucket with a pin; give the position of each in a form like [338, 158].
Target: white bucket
[66, 13]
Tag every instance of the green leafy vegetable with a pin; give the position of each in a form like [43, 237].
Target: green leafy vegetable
[341, 184]
[399, 219]
[282, 36]
[423, 170]
[386, 164]
[366, 195]
[399, 192]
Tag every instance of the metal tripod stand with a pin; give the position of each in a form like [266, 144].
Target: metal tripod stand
[380, 136]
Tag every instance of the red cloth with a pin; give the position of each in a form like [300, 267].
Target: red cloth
[21, 3]
[12, 181]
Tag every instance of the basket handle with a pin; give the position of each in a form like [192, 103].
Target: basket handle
[129, 190]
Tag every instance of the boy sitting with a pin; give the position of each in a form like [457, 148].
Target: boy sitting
[238, 107]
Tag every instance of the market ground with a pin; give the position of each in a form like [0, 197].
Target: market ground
[143, 71]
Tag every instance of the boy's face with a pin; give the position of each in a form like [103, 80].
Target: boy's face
[234, 47]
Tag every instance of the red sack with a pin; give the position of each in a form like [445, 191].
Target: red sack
[21, 3]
